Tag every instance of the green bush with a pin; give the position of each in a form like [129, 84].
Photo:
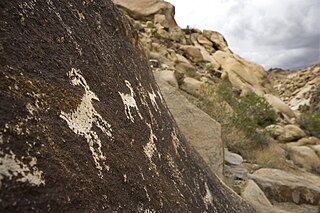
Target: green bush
[245, 113]
[310, 122]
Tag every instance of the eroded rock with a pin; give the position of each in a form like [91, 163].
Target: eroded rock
[283, 186]
[147, 9]
[202, 132]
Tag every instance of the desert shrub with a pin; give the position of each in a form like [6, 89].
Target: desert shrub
[240, 119]
[245, 113]
[251, 111]
[213, 104]
[310, 122]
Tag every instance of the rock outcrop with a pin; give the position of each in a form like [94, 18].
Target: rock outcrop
[255, 196]
[201, 131]
[83, 126]
[298, 87]
[283, 186]
[161, 11]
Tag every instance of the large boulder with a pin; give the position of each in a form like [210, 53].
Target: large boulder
[287, 133]
[282, 186]
[305, 157]
[280, 107]
[83, 126]
[148, 9]
[218, 41]
[193, 53]
[246, 76]
[191, 86]
[256, 197]
[232, 158]
[202, 132]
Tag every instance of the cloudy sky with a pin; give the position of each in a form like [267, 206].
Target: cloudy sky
[273, 33]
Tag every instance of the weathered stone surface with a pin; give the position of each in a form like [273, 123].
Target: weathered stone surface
[305, 157]
[281, 186]
[279, 106]
[191, 86]
[219, 42]
[193, 53]
[161, 19]
[204, 41]
[185, 68]
[232, 158]
[298, 87]
[246, 76]
[274, 130]
[83, 126]
[146, 9]
[316, 148]
[168, 76]
[202, 132]
[291, 133]
[255, 196]
[309, 141]
[294, 208]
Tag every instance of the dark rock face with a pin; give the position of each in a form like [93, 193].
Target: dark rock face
[83, 126]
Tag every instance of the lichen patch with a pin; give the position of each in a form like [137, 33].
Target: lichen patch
[84, 117]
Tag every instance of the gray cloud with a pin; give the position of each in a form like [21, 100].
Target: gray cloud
[272, 33]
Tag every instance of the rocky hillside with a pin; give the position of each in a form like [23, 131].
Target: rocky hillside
[298, 88]
[258, 146]
[83, 126]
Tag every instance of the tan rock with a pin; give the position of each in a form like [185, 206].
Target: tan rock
[291, 133]
[162, 33]
[191, 86]
[256, 197]
[218, 40]
[204, 41]
[187, 69]
[181, 59]
[161, 58]
[232, 158]
[293, 208]
[305, 157]
[156, 47]
[309, 141]
[246, 76]
[299, 143]
[192, 53]
[162, 20]
[316, 148]
[279, 106]
[281, 186]
[167, 76]
[274, 130]
[298, 87]
[146, 9]
[177, 36]
[203, 133]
